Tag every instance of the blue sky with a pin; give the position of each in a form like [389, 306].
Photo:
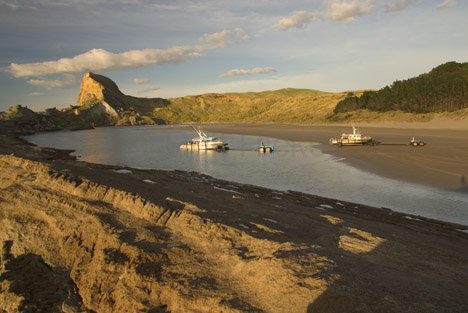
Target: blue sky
[174, 48]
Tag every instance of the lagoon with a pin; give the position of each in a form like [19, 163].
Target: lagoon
[298, 166]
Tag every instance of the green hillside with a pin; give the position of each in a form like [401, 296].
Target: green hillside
[443, 89]
[285, 105]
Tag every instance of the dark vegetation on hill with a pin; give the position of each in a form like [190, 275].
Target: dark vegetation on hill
[444, 88]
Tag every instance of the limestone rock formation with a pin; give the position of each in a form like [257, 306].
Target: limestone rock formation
[100, 103]
[101, 96]
[97, 88]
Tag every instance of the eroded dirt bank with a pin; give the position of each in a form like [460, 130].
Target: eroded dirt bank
[79, 237]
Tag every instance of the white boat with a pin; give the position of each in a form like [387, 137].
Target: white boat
[265, 149]
[204, 142]
[356, 138]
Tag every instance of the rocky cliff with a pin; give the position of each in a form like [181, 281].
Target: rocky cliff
[100, 103]
[101, 96]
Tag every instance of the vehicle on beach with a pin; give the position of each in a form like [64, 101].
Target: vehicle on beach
[417, 142]
[356, 138]
[204, 142]
[265, 149]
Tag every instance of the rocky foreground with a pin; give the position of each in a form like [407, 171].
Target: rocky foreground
[80, 237]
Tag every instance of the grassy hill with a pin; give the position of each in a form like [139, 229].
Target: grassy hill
[285, 105]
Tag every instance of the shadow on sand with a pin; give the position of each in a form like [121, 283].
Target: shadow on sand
[41, 288]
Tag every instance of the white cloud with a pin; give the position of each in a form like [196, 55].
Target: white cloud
[11, 5]
[341, 10]
[148, 90]
[399, 5]
[67, 81]
[253, 71]
[140, 80]
[348, 10]
[36, 94]
[223, 38]
[447, 4]
[297, 19]
[101, 60]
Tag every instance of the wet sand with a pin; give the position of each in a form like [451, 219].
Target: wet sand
[442, 163]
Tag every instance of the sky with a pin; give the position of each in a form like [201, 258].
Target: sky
[172, 48]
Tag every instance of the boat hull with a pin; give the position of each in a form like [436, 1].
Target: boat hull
[204, 146]
[354, 139]
[350, 142]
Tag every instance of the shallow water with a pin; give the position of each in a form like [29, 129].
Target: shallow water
[293, 166]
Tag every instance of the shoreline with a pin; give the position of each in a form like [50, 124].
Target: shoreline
[175, 240]
[291, 133]
[16, 146]
[440, 164]
[37, 153]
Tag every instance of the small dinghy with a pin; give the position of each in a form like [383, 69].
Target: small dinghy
[265, 149]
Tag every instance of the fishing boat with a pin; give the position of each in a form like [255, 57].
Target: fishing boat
[204, 142]
[356, 138]
[265, 149]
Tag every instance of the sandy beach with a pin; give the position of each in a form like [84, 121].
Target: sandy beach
[442, 163]
[81, 237]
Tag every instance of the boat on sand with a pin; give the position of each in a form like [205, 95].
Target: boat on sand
[356, 138]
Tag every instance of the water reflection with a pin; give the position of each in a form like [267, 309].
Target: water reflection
[293, 166]
[201, 159]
